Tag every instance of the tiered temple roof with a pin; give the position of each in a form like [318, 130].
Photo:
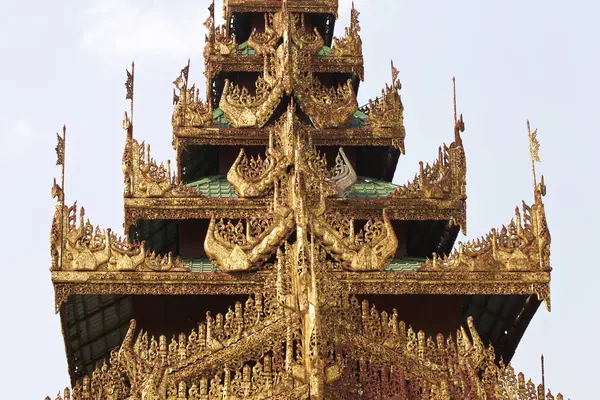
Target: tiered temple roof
[291, 239]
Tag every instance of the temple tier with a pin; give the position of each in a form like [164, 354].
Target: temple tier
[277, 260]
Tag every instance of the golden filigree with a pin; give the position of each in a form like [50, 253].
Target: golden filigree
[218, 42]
[289, 145]
[351, 44]
[224, 44]
[85, 248]
[300, 6]
[342, 174]
[308, 41]
[253, 177]
[189, 109]
[246, 110]
[304, 336]
[523, 245]
[263, 42]
[241, 247]
[332, 107]
[444, 179]
[371, 249]
[255, 351]
[387, 111]
[145, 178]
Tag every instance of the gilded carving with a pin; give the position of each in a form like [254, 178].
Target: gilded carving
[255, 177]
[255, 351]
[308, 41]
[444, 179]
[218, 41]
[189, 110]
[85, 248]
[351, 44]
[294, 241]
[372, 248]
[241, 247]
[387, 111]
[144, 178]
[263, 42]
[522, 245]
[244, 109]
[326, 107]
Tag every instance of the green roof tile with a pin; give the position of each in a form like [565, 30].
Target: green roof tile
[220, 117]
[246, 50]
[407, 264]
[359, 120]
[367, 188]
[324, 51]
[364, 188]
[214, 186]
[199, 265]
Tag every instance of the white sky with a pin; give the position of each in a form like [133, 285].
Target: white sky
[64, 62]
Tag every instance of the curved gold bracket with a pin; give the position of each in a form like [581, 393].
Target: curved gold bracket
[252, 177]
[263, 42]
[244, 110]
[240, 254]
[326, 107]
[369, 250]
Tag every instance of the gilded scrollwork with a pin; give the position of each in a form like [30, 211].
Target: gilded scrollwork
[387, 111]
[244, 109]
[522, 245]
[370, 249]
[241, 247]
[289, 146]
[256, 351]
[332, 107]
[444, 179]
[253, 177]
[295, 240]
[218, 42]
[308, 41]
[85, 248]
[144, 178]
[351, 44]
[263, 42]
[189, 110]
[327, 107]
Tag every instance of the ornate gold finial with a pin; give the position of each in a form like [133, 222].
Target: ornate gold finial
[394, 73]
[543, 376]
[534, 150]
[181, 83]
[459, 124]
[210, 22]
[454, 97]
[59, 192]
[60, 147]
[128, 123]
[182, 80]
